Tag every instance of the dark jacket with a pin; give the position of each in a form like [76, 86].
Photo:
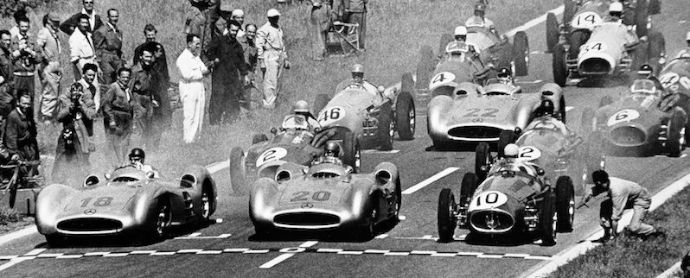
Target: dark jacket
[229, 52]
[20, 135]
[70, 24]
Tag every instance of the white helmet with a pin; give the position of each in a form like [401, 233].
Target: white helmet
[616, 7]
[511, 150]
[461, 31]
[272, 13]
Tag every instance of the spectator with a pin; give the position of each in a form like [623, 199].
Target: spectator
[119, 106]
[25, 57]
[357, 13]
[20, 131]
[191, 84]
[90, 84]
[22, 10]
[199, 20]
[320, 23]
[272, 56]
[226, 90]
[161, 62]
[82, 51]
[145, 83]
[72, 23]
[6, 76]
[250, 57]
[238, 15]
[73, 147]
[52, 74]
[48, 44]
[107, 41]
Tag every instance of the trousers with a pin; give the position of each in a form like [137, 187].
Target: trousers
[193, 114]
[273, 59]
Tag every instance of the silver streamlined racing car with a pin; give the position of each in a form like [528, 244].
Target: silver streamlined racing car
[373, 114]
[290, 143]
[515, 198]
[640, 123]
[473, 114]
[442, 76]
[326, 196]
[130, 202]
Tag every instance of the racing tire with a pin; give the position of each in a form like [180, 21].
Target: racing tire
[425, 67]
[563, 111]
[446, 219]
[386, 130]
[14, 186]
[320, 101]
[654, 7]
[552, 31]
[368, 230]
[258, 138]
[675, 138]
[398, 199]
[587, 125]
[482, 160]
[547, 223]
[605, 100]
[570, 8]
[405, 114]
[469, 184]
[559, 67]
[521, 54]
[159, 221]
[206, 204]
[351, 152]
[565, 203]
[506, 137]
[238, 175]
[641, 18]
[443, 42]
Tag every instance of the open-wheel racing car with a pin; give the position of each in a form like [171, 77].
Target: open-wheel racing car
[514, 199]
[324, 197]
[675, 79]
[131, 202]
[641, 123]
[590, 48]
[472, 114]
[292, 142]
[373, 114]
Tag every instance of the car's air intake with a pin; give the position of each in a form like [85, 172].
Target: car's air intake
[306, 219]
[324, 175]
[492, 221]
[628, 136]
[594, 66]
[475, 132]
[81, 225]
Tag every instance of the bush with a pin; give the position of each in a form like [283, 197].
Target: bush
[8, 7]
[8, 215]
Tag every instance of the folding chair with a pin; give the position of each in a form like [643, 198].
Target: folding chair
[344, 35]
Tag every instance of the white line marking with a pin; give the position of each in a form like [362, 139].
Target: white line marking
[210, 252]
[671, 272]
[376, 251]
[194, 235]
[382, 236]
[513, 255]
[568, 108]
[444, 255]
[7, 258]
[543, 258]
[14, 262]
[424, 252]
[50, 255]
[35, 252]
[18, 234]
[543, 270]
[70, 257]
[350, 253]
[380, 152]
[483, 256]
[142, 252]
[215, 167]
[235, 250]
[308, 244]
[188, 251]
[260, 251]
[95, 254]
[328, 250]
[161, 254]
[124, 254]
[397, 254]
[277, 260]
[534, 22]
[474, 254]
[430, 180]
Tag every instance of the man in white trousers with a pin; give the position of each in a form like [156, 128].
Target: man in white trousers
[192, 92]
[272, 56]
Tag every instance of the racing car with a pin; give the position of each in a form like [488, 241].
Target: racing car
[372, 116]
[290, 143]
[436, 77]
[129, 202]
[511, 200]
[639, 123]
[596, 51]
[473, 114]
[326, 196]
[675, 79]
[580, 17]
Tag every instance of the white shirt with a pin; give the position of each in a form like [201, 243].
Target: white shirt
[81, 46]
[92, 18]
[191, 70]
[269, 38]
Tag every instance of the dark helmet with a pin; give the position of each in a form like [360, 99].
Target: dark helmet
[332, 149]
[479, 7]
[138, 153]
[600, 176]
[645, 70]
[504, 73]
[546, 108]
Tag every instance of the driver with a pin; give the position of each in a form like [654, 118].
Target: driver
[511, 162]
[685, 53]
[647, 72]
[504, 76]
[301, 108]
[546, 118]
[615, 21]
[478, 19]
[358, 79]
[460, 46]
[136, 160]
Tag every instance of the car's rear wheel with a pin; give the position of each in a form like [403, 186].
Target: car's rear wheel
[446, 219]
[206, 203]
[368, 230]
[425, 67]
[547, 221]
[320, 101]
[398, 199]
[521, 54]
[405, 114]
[552, 31]
[258, 138]
[559, 67]
[482, 160]
[675, 142]
[352, 153]
[565, 200]
[238, 175]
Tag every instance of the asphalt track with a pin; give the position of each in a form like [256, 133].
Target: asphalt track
[409, 249]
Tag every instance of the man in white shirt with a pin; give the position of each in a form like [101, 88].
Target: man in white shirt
[72, 23]
[191, 86]
[81, 46]
[272, 56]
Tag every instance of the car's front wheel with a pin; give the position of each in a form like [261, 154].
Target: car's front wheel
[446, 219]
[565, 202]
[548, 220]
[159, 221]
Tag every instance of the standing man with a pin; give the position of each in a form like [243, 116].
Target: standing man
[6, 74]
[160, 68]
[238, 15]
[72, 23]
[107, 41]
[479, 19]
[250, 57]
[20, 131]
[52, 74]
[226, 90]
[82, 51]
[200, 19]
[25, 57]
[48, 44]
[621, 194]
[357, 13]
[272, 56]
[119, 107]
[90, 83]
[320, 23]
[192, 92]
[145, 84]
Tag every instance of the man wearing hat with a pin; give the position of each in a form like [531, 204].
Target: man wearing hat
[320, 22]
[238, 15]
[272, 56]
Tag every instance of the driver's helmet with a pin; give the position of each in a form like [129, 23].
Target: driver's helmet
[511, 151]
[357, 70]
[504, 76]
[643, 86]
[137, 155]
[332, 149]
[460, 33]
[479, 9]
[301, 107]
[616, 9]
[546, 108]
[645, 71]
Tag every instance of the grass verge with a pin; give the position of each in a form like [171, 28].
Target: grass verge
[628, 257]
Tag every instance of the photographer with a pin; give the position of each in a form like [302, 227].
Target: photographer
[73, 147]
[24, 58]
